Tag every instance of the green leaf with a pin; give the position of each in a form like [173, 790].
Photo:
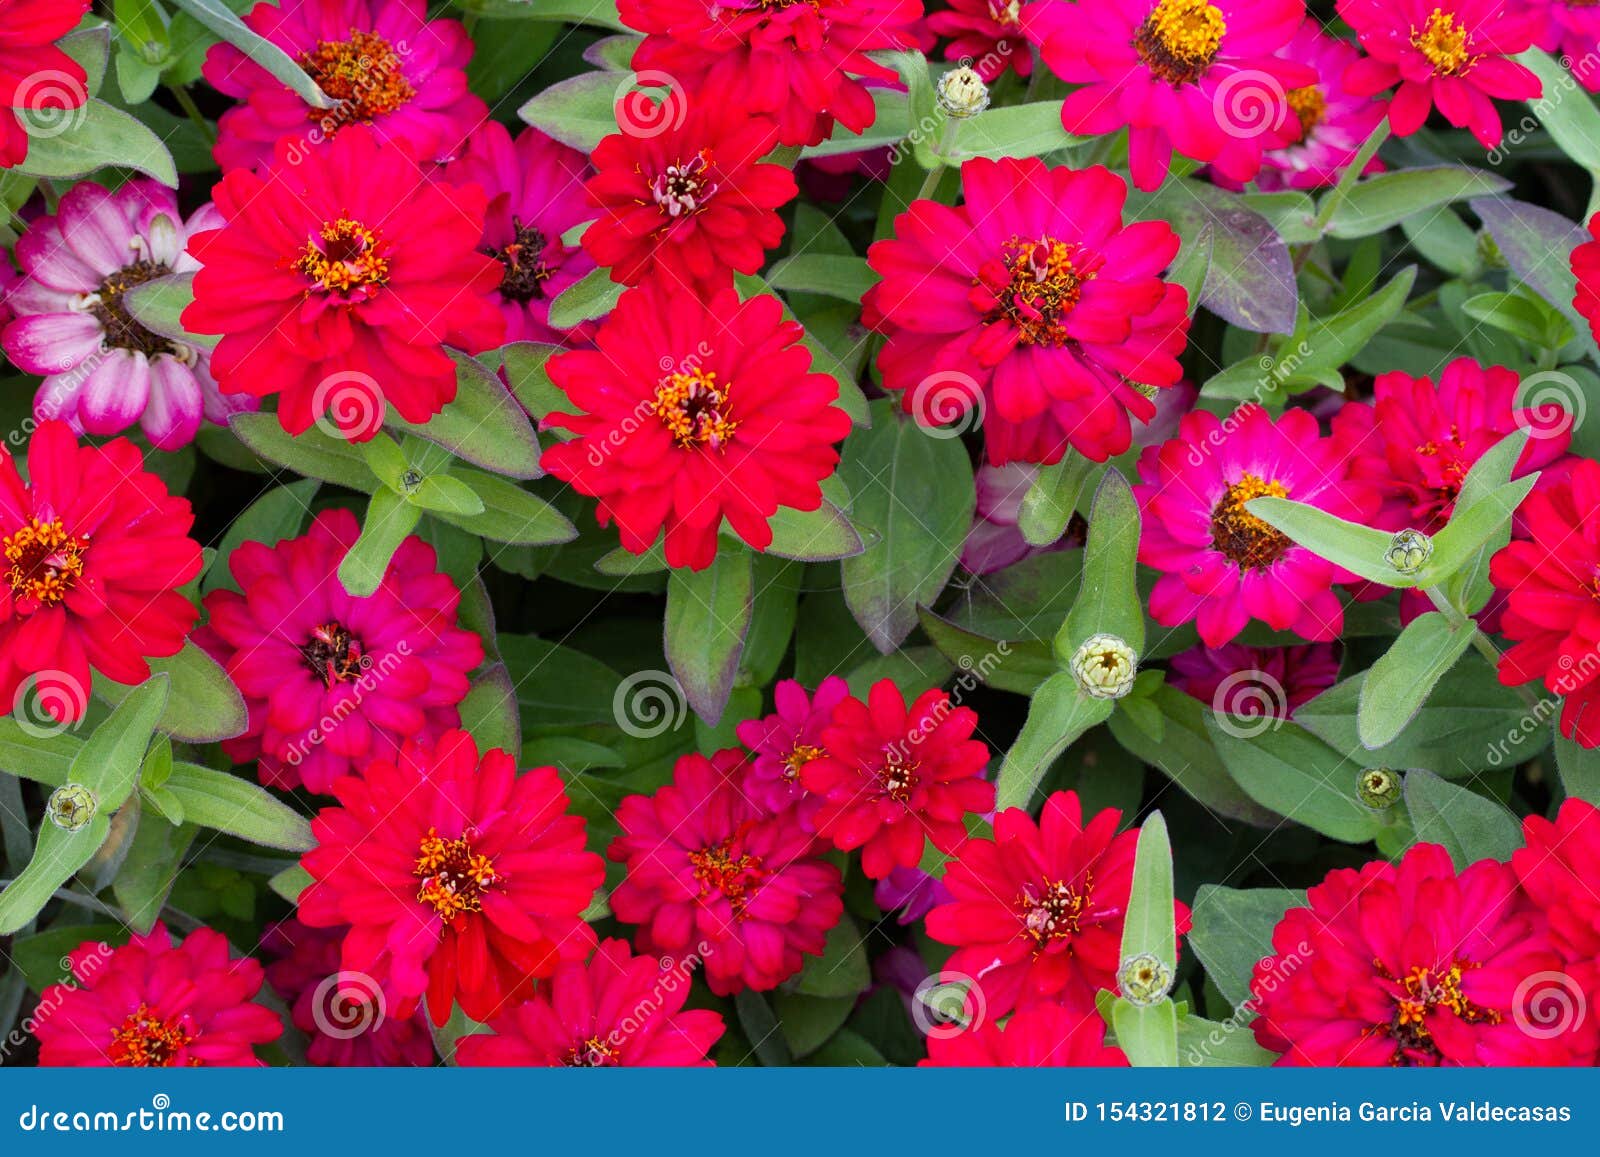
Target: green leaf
[221, 19]
[1579, 768]
[526, 364]
[158, 305]
[1401, 680]
[389, 520]
[510, 513]
[1058, 714]
[1379, 202]
[708, 616]
[890, 121]
[1523, 316]
[447, 495]
[220, 800]
[150, 870]
[1568, 114]
[1233, 930]
[91, 48]
[1356, 548]
[1470, 827]
[93, 137]
[1289, 770]
[204, 705]
[820, 535]
[278, 514]
[1108, 602]
[828, 274]
[761, 1029]
[1051, 501]
[1209, 1044]
[582, 110]
[914, 488]
[1469, 587]
[1022, 130]
[592, 296]
[1187, 756]
[483, 424]
[489, 711]
[311, 453]
[1149, 927]
[1148, 1034]
[290, 882]
[842, 969]
[808, 1021]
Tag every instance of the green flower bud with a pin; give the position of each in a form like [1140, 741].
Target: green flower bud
[1105, 667]
[71, 807]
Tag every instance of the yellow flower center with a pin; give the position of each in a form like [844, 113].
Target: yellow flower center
[802, 754]
[144, 1041]
[345, 257]
[1310, 106]
[1180, 38]
[693, 406]
[363, 74]
[1427, 990]
[1244, 538]
[454, 877]
[1443, 40]
[1046, 282]
[46, 562]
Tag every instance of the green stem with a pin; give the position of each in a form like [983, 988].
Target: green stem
[1351, 174]
[930, 183]
[1481, 643]
[192, 110]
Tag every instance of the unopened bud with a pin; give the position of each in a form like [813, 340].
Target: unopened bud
[1409, 551]
[1105, 667]
[962, 93]
[71, 807]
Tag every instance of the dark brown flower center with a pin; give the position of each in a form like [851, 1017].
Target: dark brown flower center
[363, 74]
[526, 270]
[334, 655]
[46, 562]
[897, 777]
[1180, 38]
[145, 1041]
[454, 877]
[121, 330]
[1244, 538]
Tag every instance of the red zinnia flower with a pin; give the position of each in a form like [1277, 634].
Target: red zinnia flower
[151, 1004]
[712, 874]
[987, 34]
[34, 73]
[1041, 1036]
[1222, 566]
[460, 878]
[344, 1016]
[1560, 870]
[796, 63]
[1033, 301]
[1586, 268]
[691, 203]
[336, 283]
[618, 1010]
[1410, 964]
[96, 550]
[892, 778]
[693, 411]
[332, 680]
[1038, 910]
[383, 63]
[1201, 77]
[1455, 54]
[785, 741]
[1551, 610]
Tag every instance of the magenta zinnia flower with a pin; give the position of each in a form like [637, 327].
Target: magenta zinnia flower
[155, 1004]
[711, 873]
[536, 194]
[988, 35]
[1255, 682]
[618, 1010]
[331, 679]
[1042, 1036]
[1202, 78]
[1033, 302]
[383, 63]
[1571, 31]
[788, 739]
[103, 371]
[1453, 54]
[1219, 564]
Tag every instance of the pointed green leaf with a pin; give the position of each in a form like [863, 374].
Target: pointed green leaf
[708, 616]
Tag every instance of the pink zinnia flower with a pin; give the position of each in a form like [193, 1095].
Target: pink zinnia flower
[1455, 54]
[1038, 910]
[1220, 565]
[618, 1010]
[1255, 681]
[1560, 870]
[1034, 303]
[1333, 122]
[1410, 964]
[894, 777]
[988, 35]
[332, 680]
[345, 1019]
[1042, 1036]
[383, 63]
[710, 872]
[461, 879]
[788, 739]
[1202, 78]
[1571, 31]
[536, 194]
[154, 1004]
[102, 370]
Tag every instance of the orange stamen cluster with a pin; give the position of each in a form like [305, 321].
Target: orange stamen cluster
[1310, 106]
[1041, 284]
[46, 562]
[146, 1041]
[1443, 40]
[726, 868]
[362, 73]
[454, 877]
[897, 777]
[1427, 990]
[693, 406]
[345, 257]
[1052, 913]
[1180, 39]
[802, 754]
